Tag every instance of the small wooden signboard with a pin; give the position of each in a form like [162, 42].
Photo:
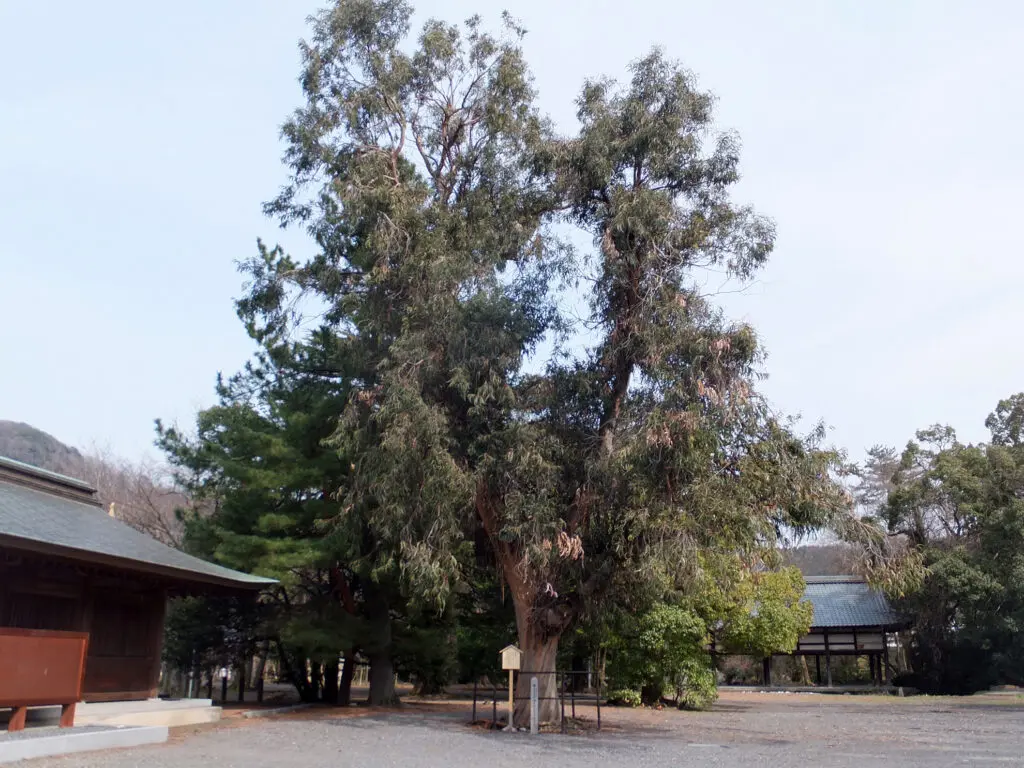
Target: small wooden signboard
[511, 659]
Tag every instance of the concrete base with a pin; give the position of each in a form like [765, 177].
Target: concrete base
[160, 712]
[166, 712]
[47, 742]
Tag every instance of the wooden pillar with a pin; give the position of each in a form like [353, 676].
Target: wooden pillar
[766, 670]
[158, 613]
[872, 670]
[3, 591]
[885, 658]
[828, 662]
[817, 669]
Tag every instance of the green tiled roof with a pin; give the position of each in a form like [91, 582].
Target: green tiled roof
[846, 601]
[54, 522]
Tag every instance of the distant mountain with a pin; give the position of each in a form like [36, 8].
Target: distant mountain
[23, 442]
[139, 493]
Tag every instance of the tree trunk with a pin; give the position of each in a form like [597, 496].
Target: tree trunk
[805, 673]
[538, 641]
[330, 689]
[176, 687]
[382, 681]
[347, 673]
[260, 667]
[315, 680]
[540, 654]
[380, 652]
[300, 679]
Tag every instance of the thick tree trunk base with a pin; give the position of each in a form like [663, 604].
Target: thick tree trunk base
[260, 668]
[540, 655]
[382, 682]
[347, 673]
[330, 689]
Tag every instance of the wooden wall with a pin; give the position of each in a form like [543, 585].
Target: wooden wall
[122, 613]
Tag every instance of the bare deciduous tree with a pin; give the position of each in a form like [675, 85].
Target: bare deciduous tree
[142, 493]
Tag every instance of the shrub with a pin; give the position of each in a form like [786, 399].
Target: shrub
[624, 698]
[696, 686]
[664, 650]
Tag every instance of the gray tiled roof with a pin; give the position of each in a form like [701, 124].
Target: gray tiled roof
[846, 601]
[33, 519]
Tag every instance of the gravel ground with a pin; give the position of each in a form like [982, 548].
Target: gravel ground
[746, 730]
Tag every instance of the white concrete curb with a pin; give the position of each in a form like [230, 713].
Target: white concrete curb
[69, 742]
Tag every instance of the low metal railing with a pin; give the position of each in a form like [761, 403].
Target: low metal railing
[566, 695]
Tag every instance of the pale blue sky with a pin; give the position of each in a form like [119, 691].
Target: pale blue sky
[138, 141]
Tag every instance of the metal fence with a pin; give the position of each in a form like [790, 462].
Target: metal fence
[569, 693]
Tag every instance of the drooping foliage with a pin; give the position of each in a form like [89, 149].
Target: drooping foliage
[637, 470]
[648, 465]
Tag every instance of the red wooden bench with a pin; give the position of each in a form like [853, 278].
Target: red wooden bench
[41, 668]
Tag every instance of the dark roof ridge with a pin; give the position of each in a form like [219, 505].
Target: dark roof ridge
[850, 579]
[19, 472]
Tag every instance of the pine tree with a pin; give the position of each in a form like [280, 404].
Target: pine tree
[259, 467]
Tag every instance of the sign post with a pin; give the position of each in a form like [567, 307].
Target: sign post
[511, 658]
[534, 707]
